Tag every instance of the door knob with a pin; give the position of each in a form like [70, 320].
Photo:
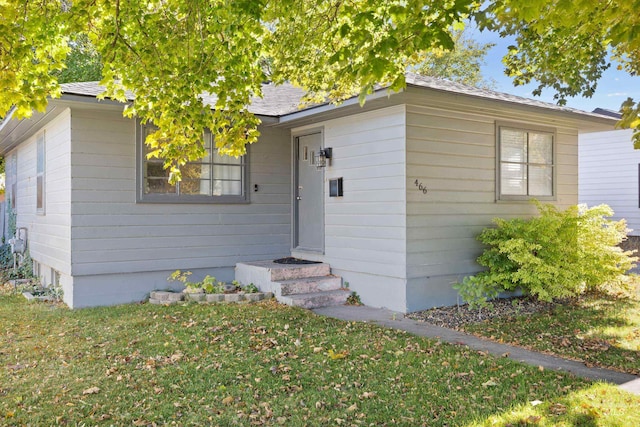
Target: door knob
[298, 198]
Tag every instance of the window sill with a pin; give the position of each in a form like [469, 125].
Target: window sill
[201, 200]
[526, 198]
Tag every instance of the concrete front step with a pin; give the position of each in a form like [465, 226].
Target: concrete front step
[301, 285]
[269, 271]
[316, 299]
[306, 285]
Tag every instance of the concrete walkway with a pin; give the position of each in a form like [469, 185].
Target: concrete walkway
[391, 319]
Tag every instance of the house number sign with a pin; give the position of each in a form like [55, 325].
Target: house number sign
[421, 187]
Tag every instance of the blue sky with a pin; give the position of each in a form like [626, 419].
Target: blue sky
[614, 87]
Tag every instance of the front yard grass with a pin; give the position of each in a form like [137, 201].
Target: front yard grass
[267, 364]
[598, 329]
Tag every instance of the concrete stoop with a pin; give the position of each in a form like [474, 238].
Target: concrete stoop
[300, 285]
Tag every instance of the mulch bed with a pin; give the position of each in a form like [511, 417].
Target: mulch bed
[455, 317]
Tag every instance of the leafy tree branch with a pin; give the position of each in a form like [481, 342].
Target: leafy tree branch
[171, 52]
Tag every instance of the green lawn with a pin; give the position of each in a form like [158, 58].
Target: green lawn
[599, 330]
[267, 364]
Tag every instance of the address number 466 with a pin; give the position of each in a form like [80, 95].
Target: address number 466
[421, 186]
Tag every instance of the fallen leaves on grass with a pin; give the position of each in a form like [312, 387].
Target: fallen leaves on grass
[91, 390]
[598, 329]
[333, 355]
[252, 365]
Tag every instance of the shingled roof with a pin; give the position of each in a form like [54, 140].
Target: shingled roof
[280, 100]
[276, 101]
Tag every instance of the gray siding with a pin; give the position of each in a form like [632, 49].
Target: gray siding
[113, 235]
[49, 235]
[366, 229]
[397, 247]
[451, 150]
[609, 173]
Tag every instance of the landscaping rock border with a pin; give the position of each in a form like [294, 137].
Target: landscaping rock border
[30, 297]
[168, 297]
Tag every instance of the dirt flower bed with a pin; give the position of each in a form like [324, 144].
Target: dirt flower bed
[455, 317]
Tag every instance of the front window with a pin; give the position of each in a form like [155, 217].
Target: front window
[214, 178]
[526, 163]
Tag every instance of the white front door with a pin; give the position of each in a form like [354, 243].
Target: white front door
[308, 195]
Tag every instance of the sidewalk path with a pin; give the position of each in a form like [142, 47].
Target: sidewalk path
[391, 319]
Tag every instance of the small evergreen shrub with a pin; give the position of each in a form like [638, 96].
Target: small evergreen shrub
[6, 257]
[555, 255]
[24, 270]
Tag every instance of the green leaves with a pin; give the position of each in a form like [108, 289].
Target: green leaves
[555, 255]
[460, 62]
[32, 46]
[183, 57]
[631, 119]
[82, 64]
[173, 54]
[565, 44]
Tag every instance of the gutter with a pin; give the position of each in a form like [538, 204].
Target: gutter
[327, 107]
[7, 118]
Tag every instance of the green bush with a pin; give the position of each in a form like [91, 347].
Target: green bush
[24, 270]
[208, 285]
[557, 254]
[6, 257]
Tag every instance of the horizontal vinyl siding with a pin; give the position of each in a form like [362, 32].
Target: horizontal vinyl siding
[365, 230]
[112, 234]
[609, 174]
[48, 237]
[452, 152]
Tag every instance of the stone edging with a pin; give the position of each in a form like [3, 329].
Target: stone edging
[30, 297]
[168, 297]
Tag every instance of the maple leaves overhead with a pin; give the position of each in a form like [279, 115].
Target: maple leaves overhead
[171, 52]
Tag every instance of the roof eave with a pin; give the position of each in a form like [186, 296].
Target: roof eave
[328, 108]
[574, 113]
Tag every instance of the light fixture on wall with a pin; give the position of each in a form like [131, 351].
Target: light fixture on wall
[323, 157]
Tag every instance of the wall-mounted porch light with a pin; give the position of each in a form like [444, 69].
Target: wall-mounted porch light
[323, 158]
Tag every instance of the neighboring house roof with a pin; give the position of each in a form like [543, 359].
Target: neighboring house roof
[607, 112]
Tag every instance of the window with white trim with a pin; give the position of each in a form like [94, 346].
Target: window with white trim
[526, 166]
[40, 173]
[213, 179]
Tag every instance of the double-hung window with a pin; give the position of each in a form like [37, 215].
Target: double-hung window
[40, 173]
[212, 179]
[526, 163]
